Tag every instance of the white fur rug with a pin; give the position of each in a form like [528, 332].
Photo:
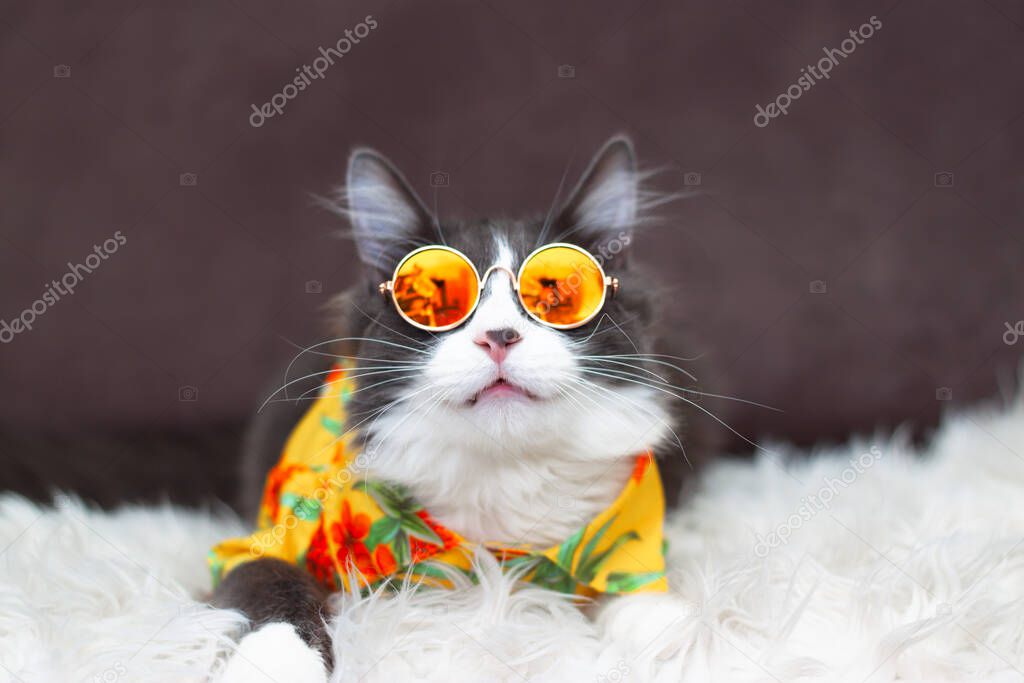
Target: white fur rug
[865, 562]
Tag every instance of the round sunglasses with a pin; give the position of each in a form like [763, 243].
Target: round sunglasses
[560, 285]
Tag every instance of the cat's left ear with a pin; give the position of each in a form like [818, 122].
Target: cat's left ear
[603, 207]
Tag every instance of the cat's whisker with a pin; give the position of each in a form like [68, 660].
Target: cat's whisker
[369, 411]
[623, 374]
[616, 327]
[606, 359]
[381, 383]
[326, 354]
[354, 375]
[619, 396]
[603, 407]
[376, 321]
[366, 359]
[370, 414]
[373, 413]
[376, 414]
[666, 355]
[367, 387]
[597, 404]
[645, 358]
[628, 338]
[309, 349]
[385, 342]
[597, 331]
[706, 412]
[348, 431]
[284, 387]
[308, 395]
[554, 202]
[434, 399]
[369, 370]
[564, 393]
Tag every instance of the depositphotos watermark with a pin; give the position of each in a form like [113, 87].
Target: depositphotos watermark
[111, 674]
[311, 72]
[65, 286]
[812, 74]
[616, 674]
[816, 502]
[1013, 332]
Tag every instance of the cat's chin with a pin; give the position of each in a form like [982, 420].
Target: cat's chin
[503, 412]
[499, 392]
[513, 420]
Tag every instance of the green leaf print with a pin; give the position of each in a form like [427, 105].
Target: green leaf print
[382, 531]
[592, 543]
[330, 424]
[396, 503]
[588, 569]
[568, 549]
[549, 575]
[391, 498]
[627, 582]
[305, 508]
[415, 526]
[400, 549]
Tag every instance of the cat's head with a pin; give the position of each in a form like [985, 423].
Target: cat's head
[501, 381]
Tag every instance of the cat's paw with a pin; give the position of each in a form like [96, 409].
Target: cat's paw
[649, 630]
[272, 654]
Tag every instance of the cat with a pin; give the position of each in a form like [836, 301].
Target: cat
[494, 466]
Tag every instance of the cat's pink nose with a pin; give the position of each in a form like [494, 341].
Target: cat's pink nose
[496, 342]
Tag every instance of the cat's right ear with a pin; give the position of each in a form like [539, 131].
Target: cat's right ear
[388, 219]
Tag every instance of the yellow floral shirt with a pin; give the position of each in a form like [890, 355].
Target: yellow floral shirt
[319, 513]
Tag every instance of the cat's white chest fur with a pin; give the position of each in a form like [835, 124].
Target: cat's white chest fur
[537, 503]
[538, 488]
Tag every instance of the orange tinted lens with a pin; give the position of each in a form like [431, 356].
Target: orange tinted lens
[436, 288]
[561, 286]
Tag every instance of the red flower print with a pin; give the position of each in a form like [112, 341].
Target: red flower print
[335, 375]
[339, 456]
[420, 550]
[318, 559]
[349, 535]
[276, 479]
[385, 560]
[642, 462]
[506, 554]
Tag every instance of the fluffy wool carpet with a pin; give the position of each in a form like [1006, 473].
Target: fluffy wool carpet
[866, 562]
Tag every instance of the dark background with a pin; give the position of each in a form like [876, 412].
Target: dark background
[210, 290]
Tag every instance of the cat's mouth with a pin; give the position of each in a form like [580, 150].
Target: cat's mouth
[501, 389]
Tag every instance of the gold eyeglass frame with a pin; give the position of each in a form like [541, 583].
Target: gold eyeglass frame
[610, 283]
